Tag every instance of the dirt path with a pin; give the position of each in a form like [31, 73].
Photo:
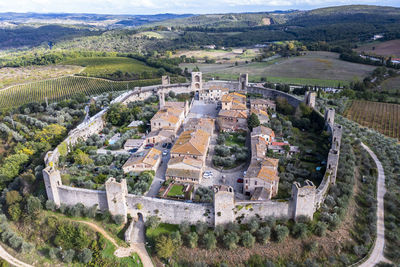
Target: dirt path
[122, 252]
[377, 253]
[11, 260]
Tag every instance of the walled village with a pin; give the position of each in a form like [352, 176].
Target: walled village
[180, 149]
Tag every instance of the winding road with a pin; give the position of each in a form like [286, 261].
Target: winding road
[377, 255]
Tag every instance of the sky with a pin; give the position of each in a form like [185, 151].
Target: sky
[173, 6]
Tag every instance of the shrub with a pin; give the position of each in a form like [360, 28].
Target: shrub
[247, 239]
[26, 247]
[15, 241]
[263, 234]
[152, 222]
[14, 211]
[209, 241]
[63, 208]
[192, 239]
[219, 230]
[33, 205]
[85, 256]
[119, 219]
[230, 240]
[320, 228]
[53, 252]
[13, 197]
[253, 225]
[184, 227]
[76, 210]
[68, 255]
[300, 230]
[281, 232]
[50, 205]
[176, 238]
[201, 228]
[233, 227]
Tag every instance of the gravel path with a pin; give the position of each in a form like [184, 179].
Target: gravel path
[377, 254]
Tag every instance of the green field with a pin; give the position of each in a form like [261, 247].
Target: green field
[314, 68]
[99, 66]
[391, 84]
[63, 88]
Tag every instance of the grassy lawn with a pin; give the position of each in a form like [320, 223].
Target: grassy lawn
[176, 190]
[163, 228]
[233, 140]
[108, 252]
[105, 65]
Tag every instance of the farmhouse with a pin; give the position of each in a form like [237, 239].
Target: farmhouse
[147, 160]
[167, 118]
[160, 136]
[232, 120]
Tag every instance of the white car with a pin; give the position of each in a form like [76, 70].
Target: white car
[165, 152]
[208, 174]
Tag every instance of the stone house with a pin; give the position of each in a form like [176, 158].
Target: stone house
[233, 101]
[160, 136]
[262, 104]
[192, 143]
[184, 169]
[262, 174]
[205, 124]
[283, 148]
[133, 144]
[147, 160]
[214, 93]
[178, 105]
[167, 118]
[232, 120]
[267, 133]
[262, 115]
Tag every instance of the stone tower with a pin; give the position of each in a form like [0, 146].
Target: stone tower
[197, 81]
[309, 99]
[332, 164]
[330, 118]
[243, 81]
[165, 80]
[336, 136]
[116, 197]
[224, 203]
[303, 199]
[161, 99]
[52, 180]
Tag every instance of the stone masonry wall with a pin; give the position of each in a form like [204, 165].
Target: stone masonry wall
[72, 196]
[170, 211]
[244, 210]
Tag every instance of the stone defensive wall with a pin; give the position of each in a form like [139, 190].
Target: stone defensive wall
[305, 200]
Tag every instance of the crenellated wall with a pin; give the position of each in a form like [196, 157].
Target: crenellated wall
[304, 202]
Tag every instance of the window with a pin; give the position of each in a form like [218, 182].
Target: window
[255, 182]
[247, 181]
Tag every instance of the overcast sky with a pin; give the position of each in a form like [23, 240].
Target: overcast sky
[173, 6]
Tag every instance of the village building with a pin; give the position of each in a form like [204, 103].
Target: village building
[192, 143]
[233, 101]
[205, 124]
[262, 115]
[178, 105]
[133, 144]
[184, 169]
[283, 148]
[267, 133]
[160, 136]
[263, 104]
[134, 124]
[214, 93]
[232, 120]
[167, 118]
[147, 160]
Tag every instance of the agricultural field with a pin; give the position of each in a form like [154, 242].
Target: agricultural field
[382, 117]
[315, 68]
[63, 88]
[221, 56]
[388, 48]
[391, 84]
[100, 66]
[12, 76]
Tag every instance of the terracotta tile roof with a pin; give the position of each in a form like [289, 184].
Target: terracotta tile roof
[232, 113]
[271, 163]
[258, 170]
[206, 124]
[267, 174]
[259, 112]
[279, 144]
[192, 142]
[234, 96]
[185, 167]
[168, 114]
[195, 163]
[175, 104]
[261, 101]
[150, 158]
[262, 130]
[215, 87]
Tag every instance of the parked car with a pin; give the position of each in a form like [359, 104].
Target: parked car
[149, 146]
[165, 152]
[240, 181]
[208, 174]
[164, 145]
[169, 146]
[133, 150]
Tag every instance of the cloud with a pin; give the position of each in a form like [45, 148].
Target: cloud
[171, 6]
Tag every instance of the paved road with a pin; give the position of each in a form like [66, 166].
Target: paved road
[159, 178]
[113, 152]
[377, 253]
[137, 244]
